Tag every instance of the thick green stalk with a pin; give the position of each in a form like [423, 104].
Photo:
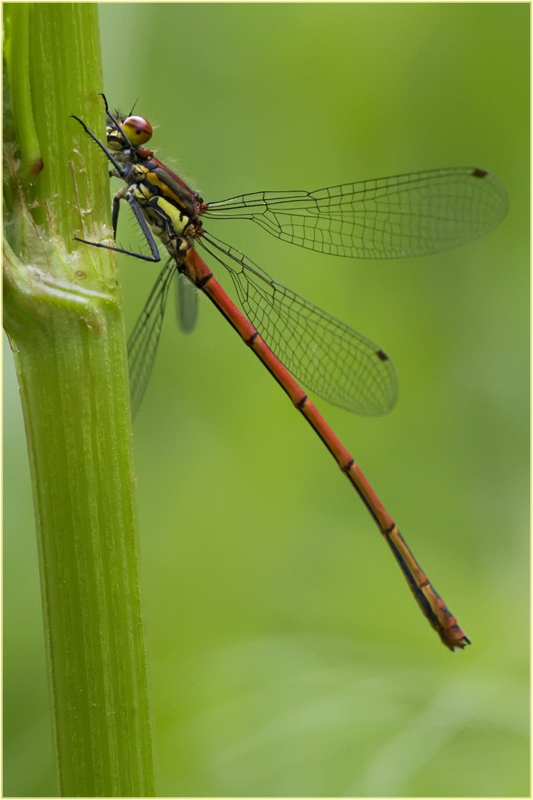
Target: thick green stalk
[62, 315]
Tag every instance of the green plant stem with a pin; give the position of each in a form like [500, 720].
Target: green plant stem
[63, 317]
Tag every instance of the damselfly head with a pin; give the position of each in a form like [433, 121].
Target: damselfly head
[123, 133]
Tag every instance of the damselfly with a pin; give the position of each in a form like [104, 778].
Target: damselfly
[401, 216]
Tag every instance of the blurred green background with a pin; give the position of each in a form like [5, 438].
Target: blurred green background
[286, 654]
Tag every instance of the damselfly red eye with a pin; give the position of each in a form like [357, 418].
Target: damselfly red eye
[138, 130]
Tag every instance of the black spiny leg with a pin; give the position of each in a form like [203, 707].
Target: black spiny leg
[123, 171]
[135, 207]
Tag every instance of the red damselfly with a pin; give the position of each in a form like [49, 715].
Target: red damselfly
[394, 217]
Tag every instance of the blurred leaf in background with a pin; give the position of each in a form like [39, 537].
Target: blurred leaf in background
[286, 655]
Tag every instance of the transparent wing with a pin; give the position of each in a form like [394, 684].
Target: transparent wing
[325, 355]
[405, 215]
[144, 339]
[186, 303]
